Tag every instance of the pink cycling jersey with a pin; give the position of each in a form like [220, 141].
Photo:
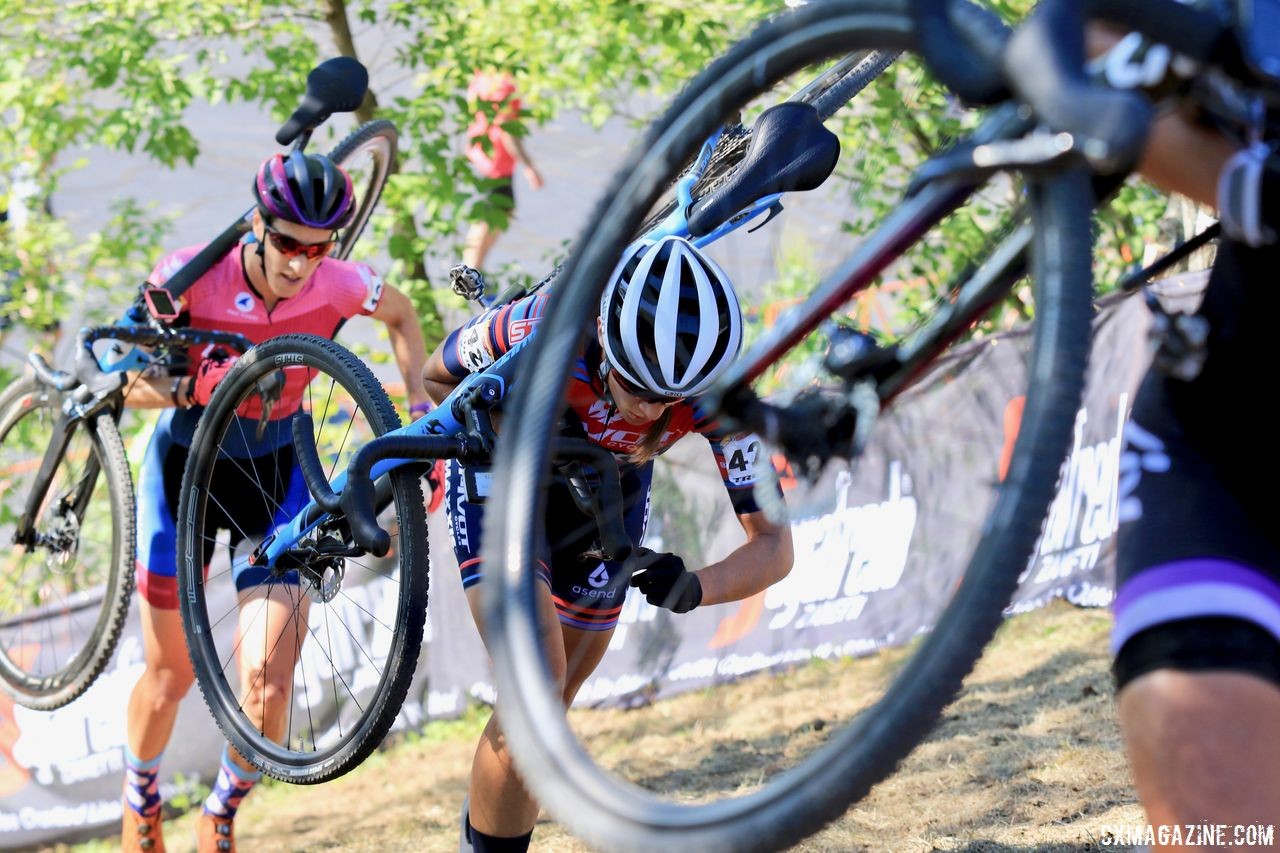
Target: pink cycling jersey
[222, 299]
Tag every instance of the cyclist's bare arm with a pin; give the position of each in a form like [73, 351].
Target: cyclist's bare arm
[436, 378]
[143, 391]
[396, 312]
[763, 560]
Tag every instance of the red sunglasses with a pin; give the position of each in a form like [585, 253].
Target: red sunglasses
[291, 247]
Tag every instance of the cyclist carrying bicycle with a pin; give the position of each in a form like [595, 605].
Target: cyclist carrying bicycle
[281, 282]
[669, 324]
[1197, 611]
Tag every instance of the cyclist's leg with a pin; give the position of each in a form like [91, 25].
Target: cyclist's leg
[278, 612]
[578, 606]
[273, 612]
[499, 804]
[167, 676]
[1204, 746]
[1198, 604]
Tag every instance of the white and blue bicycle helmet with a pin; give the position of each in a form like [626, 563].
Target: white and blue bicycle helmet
[670, 318]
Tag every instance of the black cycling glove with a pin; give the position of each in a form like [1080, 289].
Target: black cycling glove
[664, 580]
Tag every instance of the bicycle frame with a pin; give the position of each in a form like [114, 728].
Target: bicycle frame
[83, 399]
[70, 416]
[443, 433]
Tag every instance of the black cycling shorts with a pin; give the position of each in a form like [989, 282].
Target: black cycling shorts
[1199, 550]
[588, 593]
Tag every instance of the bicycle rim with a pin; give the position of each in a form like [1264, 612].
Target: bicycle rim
[369, 156]
[616, 814]
[340, 635]
[66, 590]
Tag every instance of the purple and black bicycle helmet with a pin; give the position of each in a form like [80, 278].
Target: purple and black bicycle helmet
[307, 189]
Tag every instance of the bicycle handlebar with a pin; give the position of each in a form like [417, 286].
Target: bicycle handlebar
[1197, 33]
[961, 45]
[1045, 65]
[605, 500]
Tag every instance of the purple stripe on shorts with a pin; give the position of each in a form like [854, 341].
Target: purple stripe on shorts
[566, 619]
[1191, 589]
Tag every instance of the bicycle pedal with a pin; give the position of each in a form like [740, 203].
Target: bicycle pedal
[467, 282]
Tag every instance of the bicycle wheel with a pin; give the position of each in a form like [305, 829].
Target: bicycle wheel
[67, 583]
[335, 637]
[369, 156]
[780, 797]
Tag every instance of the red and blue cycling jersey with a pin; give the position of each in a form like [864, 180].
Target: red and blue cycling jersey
[484, 339]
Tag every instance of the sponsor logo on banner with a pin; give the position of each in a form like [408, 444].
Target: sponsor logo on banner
[1085, 513]
[83, 740]
[844, 556]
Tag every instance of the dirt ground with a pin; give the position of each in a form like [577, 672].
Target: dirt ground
[1028, 758]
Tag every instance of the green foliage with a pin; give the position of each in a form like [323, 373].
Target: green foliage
[467, 726]
[188, 792]
[797, 274]
[124, 73]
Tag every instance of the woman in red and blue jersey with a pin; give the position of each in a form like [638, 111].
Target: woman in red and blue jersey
[669, 325]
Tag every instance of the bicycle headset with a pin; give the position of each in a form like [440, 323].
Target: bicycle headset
[670, 318]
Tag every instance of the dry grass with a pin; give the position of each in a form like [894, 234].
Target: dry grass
[1029, 758]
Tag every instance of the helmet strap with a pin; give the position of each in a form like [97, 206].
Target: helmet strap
[261, 252]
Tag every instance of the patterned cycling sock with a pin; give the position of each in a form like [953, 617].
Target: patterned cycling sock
[233, 784]
[142, 783]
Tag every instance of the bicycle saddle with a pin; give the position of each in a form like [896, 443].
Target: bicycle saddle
[790, 151]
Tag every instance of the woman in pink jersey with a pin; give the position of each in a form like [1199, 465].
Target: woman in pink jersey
[282, 282]
[494, 153]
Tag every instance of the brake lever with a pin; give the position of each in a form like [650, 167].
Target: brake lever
[269, 389]
[975, 163]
